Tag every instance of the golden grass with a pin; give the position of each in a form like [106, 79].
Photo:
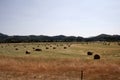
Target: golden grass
[66, 67]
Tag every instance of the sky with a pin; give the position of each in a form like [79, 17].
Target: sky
[60, 17]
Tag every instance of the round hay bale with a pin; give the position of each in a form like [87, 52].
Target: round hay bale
[33, 48]
[61, 44]
[68, 45]
[89, 53]
[47, 47]
[38, 46]
[24, 46]
[38, 49]
[65, 47]
[96, 56]
[54, 47]
[16, 48]
[1, 46]
[27, 52]
[119, 44]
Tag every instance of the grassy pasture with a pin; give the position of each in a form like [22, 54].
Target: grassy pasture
[59, 63]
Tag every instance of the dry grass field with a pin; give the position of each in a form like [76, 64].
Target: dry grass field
[59, 61]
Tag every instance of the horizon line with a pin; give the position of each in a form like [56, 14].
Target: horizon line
[57, 35]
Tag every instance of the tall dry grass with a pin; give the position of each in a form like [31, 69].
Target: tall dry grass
[70, 68]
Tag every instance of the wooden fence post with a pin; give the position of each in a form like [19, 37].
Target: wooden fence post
[82, 75]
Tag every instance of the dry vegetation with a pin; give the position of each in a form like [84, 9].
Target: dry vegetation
[59, 63]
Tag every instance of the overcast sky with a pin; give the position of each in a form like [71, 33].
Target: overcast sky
[55, 17]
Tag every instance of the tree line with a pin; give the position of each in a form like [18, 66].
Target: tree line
[60, 38]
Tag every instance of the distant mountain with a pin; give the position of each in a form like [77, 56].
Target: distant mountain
[60, 38]
[104, 37]
[3, 37]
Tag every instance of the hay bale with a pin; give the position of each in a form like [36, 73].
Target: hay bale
[119, 44]
[27, 52]
[89, 53]
[69, 45]
[24, 46]
[38, 49]
[65, 47]
[61, 44]
[47, 47]
[38, 46]
[33, 48]
[96, 56]
[16, 48]
[1, 46]
[54, 47]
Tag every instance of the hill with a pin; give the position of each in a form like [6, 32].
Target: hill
[60, 38]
